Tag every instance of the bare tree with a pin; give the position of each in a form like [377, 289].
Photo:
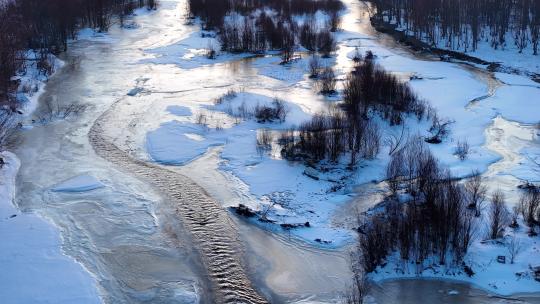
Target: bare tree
[469, 231]
[475, 193]
[439, 129]
[314, 66]
[211, 52]
[201, 119]
[395, 141]
[498, 215]
[334, 22]
[530, 206]
[357, 58]
[327, 81]
[356, 293]
[514, 247]
[462, 149]
[264, 141]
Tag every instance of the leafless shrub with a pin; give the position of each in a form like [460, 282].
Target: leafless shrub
[433, 224]
[462, 150]
[314, 66]
[369, 55]
[277, 111]
[280, 109]
[287, 50]
[326, 42]
[498, 215]
[440, 128]
[395, 171]
[370, 87]
[371, 141]
[395, 142]
[264, 141]
[243, 111]
[211, 52]
[413, 167]
[45, 63]
[219, 125]
[308, 34]
[374, 243]
[469, 230]
[330, 136]
[230, 94]
[201, 119]
[357, 58]
[513, 245]
[529, 205]
[327, 81]
[334, 22]
[515, 215]
[359, 286]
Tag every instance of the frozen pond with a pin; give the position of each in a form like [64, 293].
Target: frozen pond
[117, 213]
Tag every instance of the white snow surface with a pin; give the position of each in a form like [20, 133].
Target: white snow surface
[79, 183]
[508, 54]
[34, 268]
[179, 110]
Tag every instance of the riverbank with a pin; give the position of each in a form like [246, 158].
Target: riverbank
[509, 132]
[34, 266]
[38, 259]
[506, 63]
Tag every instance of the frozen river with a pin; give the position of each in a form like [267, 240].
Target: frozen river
[162, 234]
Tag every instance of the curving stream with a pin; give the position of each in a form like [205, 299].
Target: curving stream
[158, 234]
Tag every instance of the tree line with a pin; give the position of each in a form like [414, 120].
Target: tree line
[46, 27]
[256, 26]
[463, 24]
[431, 217]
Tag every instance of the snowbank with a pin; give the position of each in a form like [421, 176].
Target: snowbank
[34, 269]
[32, 81]
[191, 52]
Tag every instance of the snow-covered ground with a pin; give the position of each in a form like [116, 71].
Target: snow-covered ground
[34, 268]
[508, 55]
[473, 99]
[32, 80]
